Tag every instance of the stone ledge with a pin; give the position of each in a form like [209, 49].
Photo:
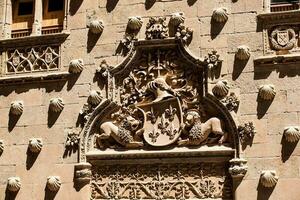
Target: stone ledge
[205, 151]
[277, 59]
[29, 78]
[56, 38]
[279, 17]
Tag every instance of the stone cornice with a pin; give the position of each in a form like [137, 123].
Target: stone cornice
[272, 18]
[33, 41]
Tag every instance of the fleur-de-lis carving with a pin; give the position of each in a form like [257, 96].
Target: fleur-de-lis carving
[163, 124]
[152, 115]
[170, 113]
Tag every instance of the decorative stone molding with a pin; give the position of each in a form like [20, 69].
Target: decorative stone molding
[231, 102]
[238, 167]
[292, 133]
[53, 183]
[83, 173]
[135, 23]
[177, 18]
[1, 147]
[213, 59]
[96, 26]
[76, 66]
[72, 139]
[56, 105]
[95, 97]
[243, 52]
[161, 181]
[268, 178]
[14, 184]
[157, 28]
[220, 15]
[221, 89]
[17, 107]
[246, 132]
[267, 92]
[35, 145]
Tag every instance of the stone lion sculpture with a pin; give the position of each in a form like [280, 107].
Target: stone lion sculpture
[196, 132]
[127, 132]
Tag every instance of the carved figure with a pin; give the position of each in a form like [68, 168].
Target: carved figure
[126, 132]
[198, 132]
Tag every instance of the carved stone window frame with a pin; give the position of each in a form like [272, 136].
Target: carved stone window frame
[268, 22]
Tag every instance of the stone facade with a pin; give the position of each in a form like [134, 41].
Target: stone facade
[145, 99]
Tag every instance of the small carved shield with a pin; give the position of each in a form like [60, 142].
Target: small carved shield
[283, 37]
[15, 60]
[48, 57]
[164, 119]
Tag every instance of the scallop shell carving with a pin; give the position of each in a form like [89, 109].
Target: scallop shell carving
[35, 145]
[1, 146]
[53, 183]
[95, 97]
[96, 26]
[76, 66]
[268, 178]
[292, 133]
[56, 104]
[177, 18]
[267, 92]
[243, 52]
[221, 89]
[220, 15]
[13, 184]
[135, 23]
[17, 107]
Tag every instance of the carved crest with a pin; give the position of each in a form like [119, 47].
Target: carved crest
[283, 37]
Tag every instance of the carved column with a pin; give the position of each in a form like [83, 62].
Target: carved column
[267, 6]
[66, 8]
[237, 170]
[38, 18]
[7, 19]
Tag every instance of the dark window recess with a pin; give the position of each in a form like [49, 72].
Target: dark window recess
[284, 1]
[25, 8]
[55, 5]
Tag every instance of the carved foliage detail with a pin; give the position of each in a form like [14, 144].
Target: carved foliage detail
[246, 132]
[157, 28]
[180, 181]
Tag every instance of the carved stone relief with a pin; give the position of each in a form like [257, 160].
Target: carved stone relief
[268, 178]
[161, 181]
[1, 147]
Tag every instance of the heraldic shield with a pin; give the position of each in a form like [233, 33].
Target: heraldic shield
[163, 121]
[283, 37]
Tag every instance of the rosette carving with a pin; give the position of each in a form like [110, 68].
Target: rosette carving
[220, 15]
[53, 183]
[76, 66]
[14, 184]
[56, 104]
[17, 107]
[35, 145]
[221, 89]
[292, 133]
[267, 92]
[268, 178]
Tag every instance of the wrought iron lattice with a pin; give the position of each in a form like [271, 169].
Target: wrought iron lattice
[33, 59]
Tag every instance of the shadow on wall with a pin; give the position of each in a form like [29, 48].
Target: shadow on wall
[215, 28]
[111, 4]
[52, 117]
[10, 195]
[283, 70]
[92, 40]
[31, 158]
[12, 121]
[49, 195]
[74, 6]
[262, 107]
[287, 149]
[191, 2]
[263, 193]
[149, 4]
[238, 67]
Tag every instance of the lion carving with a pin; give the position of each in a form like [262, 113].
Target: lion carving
[195, 132]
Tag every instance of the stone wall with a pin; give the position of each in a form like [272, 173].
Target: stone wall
[268, 151]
